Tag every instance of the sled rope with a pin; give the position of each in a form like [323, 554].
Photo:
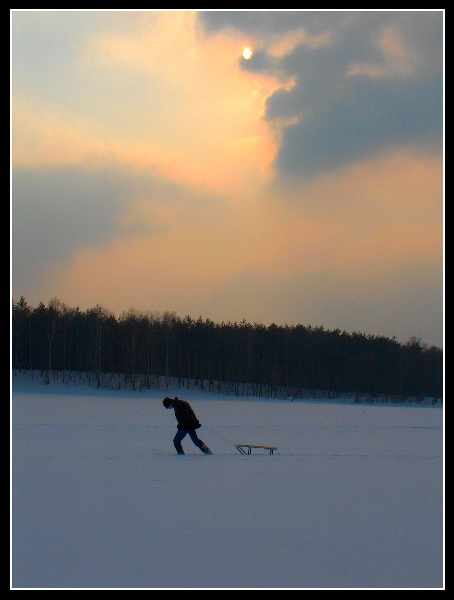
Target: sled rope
[219, 435]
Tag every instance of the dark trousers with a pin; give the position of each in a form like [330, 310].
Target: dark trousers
[181, 434]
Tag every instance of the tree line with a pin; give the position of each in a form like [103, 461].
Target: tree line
[243, 358]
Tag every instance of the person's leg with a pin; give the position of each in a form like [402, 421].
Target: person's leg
[181, 433]
[198, 442]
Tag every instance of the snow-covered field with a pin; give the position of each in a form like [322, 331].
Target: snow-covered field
[352, 498]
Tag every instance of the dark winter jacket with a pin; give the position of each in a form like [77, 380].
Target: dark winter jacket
[185, 415]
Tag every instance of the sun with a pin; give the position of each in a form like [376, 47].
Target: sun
[247, 53]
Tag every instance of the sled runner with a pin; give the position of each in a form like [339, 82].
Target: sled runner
[247, 448]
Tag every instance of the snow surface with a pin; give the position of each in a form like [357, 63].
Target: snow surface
[352, 498]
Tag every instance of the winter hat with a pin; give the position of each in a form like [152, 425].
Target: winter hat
[167, 402]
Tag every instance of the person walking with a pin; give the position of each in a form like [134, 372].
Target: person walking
[187, 423]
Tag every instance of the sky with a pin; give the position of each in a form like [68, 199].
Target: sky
[154, 167]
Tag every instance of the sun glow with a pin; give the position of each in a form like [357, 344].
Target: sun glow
[247, 53]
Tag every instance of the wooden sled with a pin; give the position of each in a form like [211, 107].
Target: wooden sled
[247, 448]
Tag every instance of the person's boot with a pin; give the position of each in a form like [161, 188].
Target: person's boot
[179, 449]
[205, 449]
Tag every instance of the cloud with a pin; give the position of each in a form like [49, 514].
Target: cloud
[375, 117]
[55, 210]
[270, 22]
[374, 84]
[154, 92]
[59, 210]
